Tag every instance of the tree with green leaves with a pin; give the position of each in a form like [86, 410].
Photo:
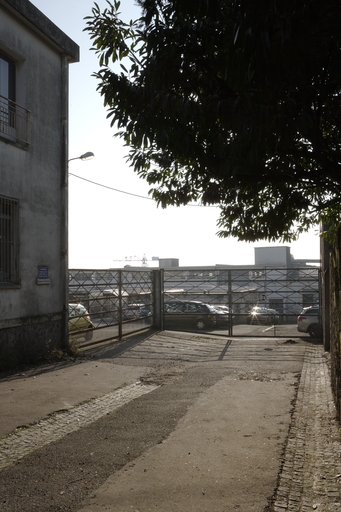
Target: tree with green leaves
[230, 103]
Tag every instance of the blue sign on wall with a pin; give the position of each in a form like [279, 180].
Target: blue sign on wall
[43, 275]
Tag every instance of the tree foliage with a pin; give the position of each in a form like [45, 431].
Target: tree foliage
[233, 103]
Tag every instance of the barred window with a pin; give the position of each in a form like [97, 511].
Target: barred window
[9, 241]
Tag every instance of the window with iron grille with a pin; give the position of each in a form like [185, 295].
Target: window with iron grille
[9, 241]
[15, 124]
[7, 90]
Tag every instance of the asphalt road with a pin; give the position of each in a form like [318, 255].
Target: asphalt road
[208, 437]
[240, 330]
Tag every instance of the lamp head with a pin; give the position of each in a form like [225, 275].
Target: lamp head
[87, 156]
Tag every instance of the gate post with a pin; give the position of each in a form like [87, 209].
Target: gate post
[230, 303]
[120, 330]
[158, 299]
[325, 292]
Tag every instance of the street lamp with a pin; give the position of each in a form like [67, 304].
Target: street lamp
[65, 235]
[87, 156]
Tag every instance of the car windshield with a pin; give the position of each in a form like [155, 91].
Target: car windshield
[76, 309]
[310, 311]
[174, 307]
[210, 309]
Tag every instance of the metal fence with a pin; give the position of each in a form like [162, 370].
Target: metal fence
[241, 290]
[118, 302]
[122, 301]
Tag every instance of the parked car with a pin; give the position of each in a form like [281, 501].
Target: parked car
[263, 316]
[134, 311]
[309, 321]
[224, 316]
[189, 314]
[79, 320]
[146, 314]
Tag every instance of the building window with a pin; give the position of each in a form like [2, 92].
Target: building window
[7, 77]
[14, 119]
[9, 241]
[7, 90]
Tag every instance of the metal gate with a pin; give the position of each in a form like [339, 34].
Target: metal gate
[106, 304]
[244, 301]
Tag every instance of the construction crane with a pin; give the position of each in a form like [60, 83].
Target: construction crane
[144, 260]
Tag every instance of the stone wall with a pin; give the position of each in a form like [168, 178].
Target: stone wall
[334, 320]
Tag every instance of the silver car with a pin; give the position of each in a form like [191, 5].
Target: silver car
[308, 321]
[263, 316]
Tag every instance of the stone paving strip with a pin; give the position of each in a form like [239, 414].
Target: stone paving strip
[311, 474]
[29, 438]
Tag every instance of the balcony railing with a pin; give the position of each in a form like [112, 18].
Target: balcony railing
[14, 121]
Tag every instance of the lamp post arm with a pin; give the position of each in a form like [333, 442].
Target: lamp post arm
[86, 156]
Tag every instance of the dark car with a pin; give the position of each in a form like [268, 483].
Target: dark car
[189, 314]
[224, 316]
[146, 314]
[263, 316]
[309, 321]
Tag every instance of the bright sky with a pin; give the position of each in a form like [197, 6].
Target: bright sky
[107, 226]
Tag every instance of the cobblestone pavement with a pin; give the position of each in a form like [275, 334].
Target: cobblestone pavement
[311, 474]
[29, 438]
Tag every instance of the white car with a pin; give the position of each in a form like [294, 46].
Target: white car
[79, 321]
[309, 321]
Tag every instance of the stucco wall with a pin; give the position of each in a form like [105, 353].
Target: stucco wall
[35, 176]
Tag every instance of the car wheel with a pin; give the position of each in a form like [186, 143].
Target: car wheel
[200, 324]
[314, 330]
